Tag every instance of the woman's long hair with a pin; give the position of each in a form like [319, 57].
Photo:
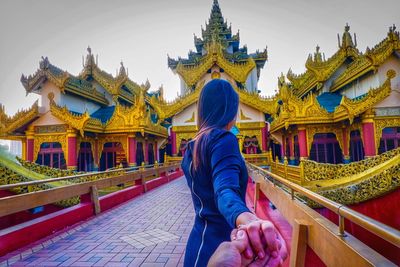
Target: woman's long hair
[217, 107]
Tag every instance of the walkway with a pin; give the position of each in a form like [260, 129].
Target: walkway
[150, 230]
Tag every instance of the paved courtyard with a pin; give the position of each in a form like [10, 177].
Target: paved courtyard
[150, 230]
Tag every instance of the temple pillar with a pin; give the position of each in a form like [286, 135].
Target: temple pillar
[346, 151]
[369, 137]
[146, 151]
[96, 155]
[264, 137]
[283, 146]
[131, 150]
[23, 146]
[156, 157]
[30, 145]
[71, 150]
[303, 143]
[173, 142]
[292, 160]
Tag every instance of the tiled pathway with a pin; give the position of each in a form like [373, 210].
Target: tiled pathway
[150, 230]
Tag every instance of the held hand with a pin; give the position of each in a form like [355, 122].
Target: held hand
[268, 260]
[262, 235]
[232, 254]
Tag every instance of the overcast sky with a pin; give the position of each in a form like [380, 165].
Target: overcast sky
[142, 33]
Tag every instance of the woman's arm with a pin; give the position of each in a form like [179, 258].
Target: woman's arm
[225, 166]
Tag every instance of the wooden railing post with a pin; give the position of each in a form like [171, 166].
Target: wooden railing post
[299, 244]
[156, 168]
[301, 166]
[256, 195]
[94, 196]
[285, 163]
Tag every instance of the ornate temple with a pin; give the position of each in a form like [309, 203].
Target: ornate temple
[342, 109]
[324, 150]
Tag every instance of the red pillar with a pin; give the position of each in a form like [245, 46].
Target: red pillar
[283, 147]
[29, 149]
[303, 143]
[132, 151]
[369, 138]
[173, 141]
[71, 160]
[264, 137]
[146, 152]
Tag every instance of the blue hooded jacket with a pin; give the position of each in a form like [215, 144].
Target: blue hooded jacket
[218, 195]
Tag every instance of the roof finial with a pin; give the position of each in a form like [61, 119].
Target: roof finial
[89, 50]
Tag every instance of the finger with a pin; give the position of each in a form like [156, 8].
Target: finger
[233, 234]
[268, 230]
[253, 231]
[274, 262]
[260, 262]
[241, 242]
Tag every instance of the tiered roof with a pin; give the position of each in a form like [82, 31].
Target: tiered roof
[319, 69]
[216, 36]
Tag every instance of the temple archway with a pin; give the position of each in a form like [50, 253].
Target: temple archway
[113, 155]
[390, 139]
[356, 146]
[151, 153]
[325, 149]
[251, 145]
[52, 155]
[139, 153]
[85, 158]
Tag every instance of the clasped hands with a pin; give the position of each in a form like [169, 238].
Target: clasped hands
[254, 244]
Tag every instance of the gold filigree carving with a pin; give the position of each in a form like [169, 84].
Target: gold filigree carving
[9, 124]
[215, 56]
[295, 111]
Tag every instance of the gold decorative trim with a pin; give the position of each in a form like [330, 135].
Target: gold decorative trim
[215, 56]
[296, 111]
[9, 124]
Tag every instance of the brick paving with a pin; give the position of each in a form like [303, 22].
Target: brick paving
[150, 230]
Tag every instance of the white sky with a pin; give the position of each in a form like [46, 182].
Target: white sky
[142, 33]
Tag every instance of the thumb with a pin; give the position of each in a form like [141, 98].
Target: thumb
[241, 242]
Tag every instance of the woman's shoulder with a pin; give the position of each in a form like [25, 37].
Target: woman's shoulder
[225, 140]
[218, 135]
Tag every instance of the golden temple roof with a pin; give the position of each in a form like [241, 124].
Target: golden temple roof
[319, 69]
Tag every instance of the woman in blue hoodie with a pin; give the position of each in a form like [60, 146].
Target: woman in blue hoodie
[217, 177]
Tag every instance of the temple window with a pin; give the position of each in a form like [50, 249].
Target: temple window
[296, 148]
[356, 146]
[287, 148]
[85, 159]
[112, 156]
[183, 147]
[139, 153]
[276, 150]
[52, 155]
[251, 145]
[151, 153]
[390, 139]
[325, 149]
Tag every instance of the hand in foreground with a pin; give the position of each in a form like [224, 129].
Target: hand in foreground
[266, 243]
[238, 252]
[232, 254]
